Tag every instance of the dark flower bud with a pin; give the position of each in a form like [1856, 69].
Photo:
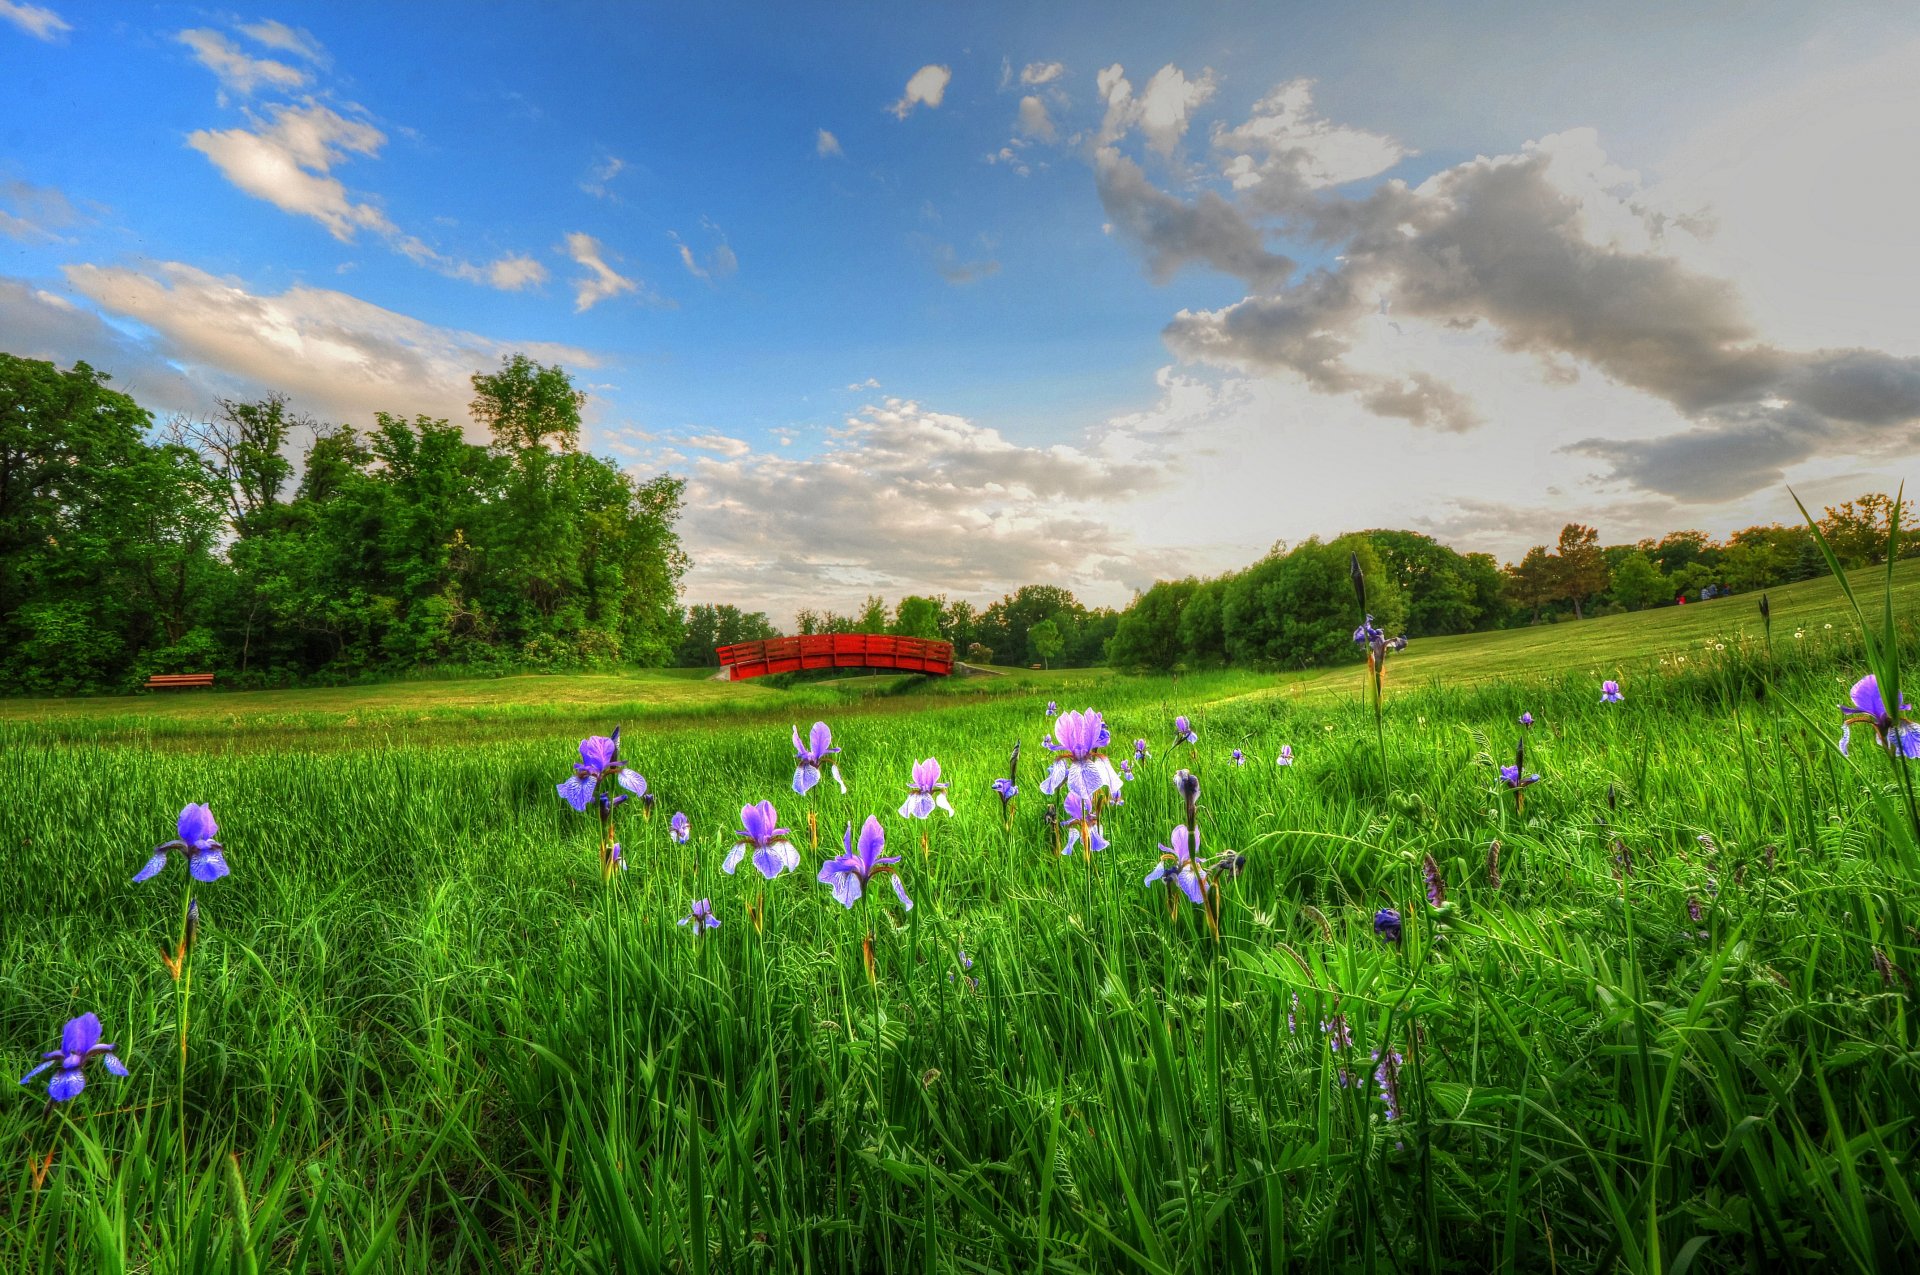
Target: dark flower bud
[1386, 924]
[1359, 579]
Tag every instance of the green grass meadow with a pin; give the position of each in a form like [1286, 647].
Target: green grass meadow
[1669, 1026]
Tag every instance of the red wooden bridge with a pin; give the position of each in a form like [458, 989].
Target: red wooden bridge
[742, 660]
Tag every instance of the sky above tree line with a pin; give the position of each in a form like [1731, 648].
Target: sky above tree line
[952, 298]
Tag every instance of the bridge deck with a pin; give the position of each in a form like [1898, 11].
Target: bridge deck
[743, 660]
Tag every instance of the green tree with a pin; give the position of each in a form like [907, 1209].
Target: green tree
[1579, 566]
[528, 405]
[1044, 640]
[1531, 582]
[1637, 582]
[1147, 635]
[917, 617]
[873, 615]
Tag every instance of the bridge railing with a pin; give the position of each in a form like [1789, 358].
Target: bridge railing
[835, 650]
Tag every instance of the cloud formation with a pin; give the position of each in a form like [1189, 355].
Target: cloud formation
[601, 281]
[288, 159]
[238, 70]
[36, 20]
[901, 498]
[298, 41]
[1555, 252]
[927, 87]
[825, 144]
[337, 356]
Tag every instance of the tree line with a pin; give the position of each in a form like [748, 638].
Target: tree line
[1294, 607]
[128, 549]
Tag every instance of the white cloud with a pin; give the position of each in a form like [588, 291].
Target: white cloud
[278, 35]
[1162, 111]
[601, 281]
[288, 162]
[928, 88]
[731, 448]
[1286, 141]
[239, 71]
[337, 356]
[600, 173]
[514, 272]
[869, 384]
[720, 262]
[905, 499]
[37, 21]
[1034, 121]
[825, 144]
[1034, 74]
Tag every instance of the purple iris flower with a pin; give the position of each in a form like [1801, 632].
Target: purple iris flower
[1386, 924]
[1005, 785]
[678, 828]
[854, 869]
[80, 1044]
[1183, 732]
[1182, 859]
[1436, 884]
[760, 832]
[1082, 815]
[1126, 770]
[1512, 778]
[1368, 635]
[1239, 758]
[206, 858]
[1080, 741]
[700, 916]
[1386, 1077]
[1286, 756]
[1610, 692]
[599, 758]
[1053, 709]
[926, 793]
[1140, 752]
[808, 758]
[1868, 707]
[1526, 719]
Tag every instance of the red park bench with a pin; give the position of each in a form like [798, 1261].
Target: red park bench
[742, 660]
[178, 681]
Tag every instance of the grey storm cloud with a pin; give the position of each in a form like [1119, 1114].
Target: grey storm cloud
[1173, 233]
[1497, 244]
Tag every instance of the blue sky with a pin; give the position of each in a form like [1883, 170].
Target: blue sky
[1086, 294]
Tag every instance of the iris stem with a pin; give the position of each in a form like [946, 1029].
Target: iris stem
[186, 999]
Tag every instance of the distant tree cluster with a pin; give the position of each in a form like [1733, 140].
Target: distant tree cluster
[1579, 575]
[202, 546]
[1294, 608]
[705, 628]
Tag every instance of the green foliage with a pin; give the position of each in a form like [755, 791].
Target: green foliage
[1147, 636]
[1637, 582]
[707, 627]
[917, 617]
[1044, 640]
[403, 548]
